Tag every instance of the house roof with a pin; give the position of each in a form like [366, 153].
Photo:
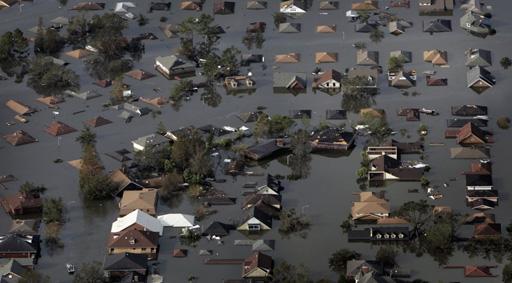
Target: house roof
[475, 23]
[478, 271]
[57, 128]
[257, 27]
[365, 27]
[332, 135]
[431, 81]
[169, 30]
[366, 5]
[144, 199]
[78, 53]
[290, 80]
[437, 25]
[137, 217]
[19, 107]
[487, 230]
[325, 28]
[88, 6]
[481, 168]
[487, 194]
[461, 122]
[97, 121]
[406, 55]
[326, 57]
[139, 74]
[384, 163]
[125, 262]
[355, 266]
[471, 130]
[133, 238]
[257, 260]
[284, 5]
[191, 5]
[263, 245]
[403, 79]
[482, 204]
[436, 57]
[469, 153]
[328, 5]
[372, 112]
[478, 57]
[477, 74]
[223, 7]
[469, 110]
[174, 61]
[50, 101]
[156, 101]
[328, 75]
[15, 244]
[21, 201]
[19, 137]
[478, 180]
[335, 114]
[123, 182]
[218, 229]
[177, 220]
[255, 198]
[262, 212]
[287, 58]
[479, 217]
[12, 266]
[365, 57]
[25, 227]
[369, 207]
[256, 5]
[289, 27]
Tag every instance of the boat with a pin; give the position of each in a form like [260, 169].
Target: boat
[70, 268]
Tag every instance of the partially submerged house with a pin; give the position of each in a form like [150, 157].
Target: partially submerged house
[79, 53]
[289, 27]
[365, 27]
[25, 249]
[326, 57]
[149, 141]
[366, 5]
[221, 7]
[472, 135]
[292, 8]
[258, 266]
[479, 79]
[125, 266]
[369, 208]
[174, 66]
[367, 58]
[138, 220]
[331, 139]
[335, 114]
[25, 227]
[476, 24]
[330, 79]
[289, 82]
[88, 6]
[256, 27]
[326, 28]
[478, 57]
[380, 234]
[264, 150]
[256, 5]
[20, 108]
[487, 231]
[191, 5]
[436, 7]
[239, 83]
[145, 200]
[410, 114]
[287, 58]
[384, 168]
[22, 203]
[328, 5]
[137, 241]
[123, 182]
[139, 74]
[258, 218]
[402, 79]
[368, 76]
[469, 110]
[436, 57]
[437, 25]
[469, 153]
[19, 137]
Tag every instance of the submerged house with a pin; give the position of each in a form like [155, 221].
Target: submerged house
[265, 149]
[476, 24]
[239, 83]
[478, 57]
[256, 5]
[145, 200]
[436, 57]
[292, 7]
[174, 66]
[479, 79]
[384, 168]
[133, 240]
[469, 110]
[221, 7]
[402, 79]
[256, 219]
[22, 203]
[436, 7]
[290, 82]
[369, 208]
[367, 58]
[18, 138]
[469, 153]
[25, 249]
[331, 139]
[258, 266]
[367, 76]
[125, 266]
[437, 25]
[191, 5]
[330, 79]
[471, 135]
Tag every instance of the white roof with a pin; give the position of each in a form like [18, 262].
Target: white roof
[176, 220]
[351, 14]
[121, 6]
[140, 217]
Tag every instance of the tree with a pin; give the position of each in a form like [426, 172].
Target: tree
[376, 35]
[259, 39]
[190, 154]
[90, 273]
[507, 273]
[437, 240]
[77, 32]
[290, 222]
[171, 184]
[48, 78]
[338, 260]
[180, 89]
[418, 213]
[230, 61]
[63, 2]
[33, 276]
[153, 160]
[387, 256]
[288, 273]
[300, 159]
[53, 209]
[279, 18]
[31, 188]
[359, 45]
[274, 126]
[396, 63]
[116, 94]
[505, 62]
[86, 137]
[48, 41]
[13, 50]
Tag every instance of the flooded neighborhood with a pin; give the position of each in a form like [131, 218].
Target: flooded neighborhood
[255, 141]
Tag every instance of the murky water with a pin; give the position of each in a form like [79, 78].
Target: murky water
[325, 197]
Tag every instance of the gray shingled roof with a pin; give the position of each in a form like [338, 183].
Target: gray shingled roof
[478, 57]
[479, 73]
[289, 27]
[125, 262]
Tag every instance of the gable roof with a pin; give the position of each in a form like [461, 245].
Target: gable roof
[437, 25]
[174, 61]
[125, 262]
[139, 74]
[469, 110]
[19, 107]
[97, 121]
[469, 153]
[133, 238]
[291, 81]
[365, 57]
[15, 244]
[257, 260]
[479, 75]
[263, 245]
[326, 57]
[123, 182]
[50, 101]
[57, 128]
[403, 79]
[436, 57]
[144, 199]
[88, 6]
[487, 230]
[289, 27]
[27, 227]
[169, 30]
[461, 122]
[478, 57]
[292, 6]
[471, 130]
[19, 137]
[365, 27]
[256, 5]
[326, 28]
[366, 5]
[478, 180]
[137, 217]
[328, 75]
[194, 5]
[12, 266]
[78, 53]
[218, 229]
[328, 5]
[478, 271]
[287, 58]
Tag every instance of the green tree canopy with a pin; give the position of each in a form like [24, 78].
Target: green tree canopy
[48, 78]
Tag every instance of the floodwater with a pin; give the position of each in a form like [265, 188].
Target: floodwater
[324, 197]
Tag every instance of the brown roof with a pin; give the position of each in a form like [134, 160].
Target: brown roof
[478, 271]
[326, 28]
[487, 230]
[437, 57]
[391, 221]
[481, 168]
[471, 134]
[133, 238]
[144, 200]
[326, 57]
[88, 6]
[157, 101]
[78, 53]
[103, 83]
[366, 5]
[19, 138]
[139, 74]
[97, 121]
[20, 202]
[287, 58]
[257, 260]
[179, 253]
[123, 181]
[372, 112]
[440, 209]
[190, 5]
[57, 128]
[330, 74]
[369, 203]
[50, 100]
[19, 107]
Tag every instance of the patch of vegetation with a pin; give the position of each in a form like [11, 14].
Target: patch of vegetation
[90, 272]
[503, 122]
[505, 62]
[338, 260]
[376, 35]
[291, 223]
[272, 126]
[48, 78]
[396, 63]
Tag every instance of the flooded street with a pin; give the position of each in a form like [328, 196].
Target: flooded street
[325, 197]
